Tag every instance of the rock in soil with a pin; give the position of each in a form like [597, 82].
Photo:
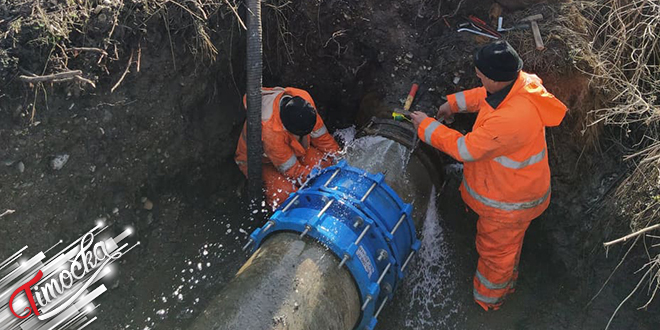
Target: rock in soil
[59, 161]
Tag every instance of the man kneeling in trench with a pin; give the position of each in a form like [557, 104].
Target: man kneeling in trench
[290, 123]
[506, 177]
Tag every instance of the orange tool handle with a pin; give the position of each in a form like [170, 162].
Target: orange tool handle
[477, 20]
[411, 97]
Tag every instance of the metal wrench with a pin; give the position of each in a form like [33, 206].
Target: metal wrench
[515, 27]
[477, 32]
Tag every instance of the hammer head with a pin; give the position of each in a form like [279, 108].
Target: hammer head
[532, 18]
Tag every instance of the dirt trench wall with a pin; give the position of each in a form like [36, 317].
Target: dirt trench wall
[156, 155]
[166, 128]
[342, 50]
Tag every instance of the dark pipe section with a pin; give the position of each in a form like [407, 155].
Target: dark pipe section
[422, 171]
[254, 72]
[404, 133]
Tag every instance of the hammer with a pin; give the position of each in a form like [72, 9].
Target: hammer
[535, 29]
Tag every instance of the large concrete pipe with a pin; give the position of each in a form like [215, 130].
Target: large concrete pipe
[331, 257]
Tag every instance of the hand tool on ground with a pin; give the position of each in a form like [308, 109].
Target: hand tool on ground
[535, 29]
[483, 26]
[465, 28]
[500, 28]
[478, 27]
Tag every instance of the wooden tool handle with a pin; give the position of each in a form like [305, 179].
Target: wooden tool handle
[536, 17]
[411, 97]
[537, 36]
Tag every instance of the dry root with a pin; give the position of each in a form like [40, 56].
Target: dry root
[626, 68]
[627, 54]
[622, 56]
[620, 51]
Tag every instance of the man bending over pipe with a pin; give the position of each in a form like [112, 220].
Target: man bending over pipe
[506, 177]
[290, 124]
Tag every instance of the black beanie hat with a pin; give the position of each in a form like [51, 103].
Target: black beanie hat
[297, 115]
[498, 61]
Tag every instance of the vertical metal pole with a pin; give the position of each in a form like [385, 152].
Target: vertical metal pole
[254, 74]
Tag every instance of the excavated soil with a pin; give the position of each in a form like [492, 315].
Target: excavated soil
[156, 154]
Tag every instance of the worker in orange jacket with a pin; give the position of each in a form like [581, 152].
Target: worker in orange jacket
[294, 138]
[506, 177]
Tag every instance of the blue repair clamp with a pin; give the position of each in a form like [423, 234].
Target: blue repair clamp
[361, 220]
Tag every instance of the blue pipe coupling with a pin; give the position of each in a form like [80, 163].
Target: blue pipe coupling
[361, 220]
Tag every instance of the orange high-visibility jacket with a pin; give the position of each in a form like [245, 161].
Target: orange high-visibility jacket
[505, 172]
[281, 148]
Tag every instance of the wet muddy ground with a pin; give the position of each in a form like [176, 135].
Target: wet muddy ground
[168, 134]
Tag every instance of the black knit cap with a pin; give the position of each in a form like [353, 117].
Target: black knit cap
[498, 61]
[297, 115]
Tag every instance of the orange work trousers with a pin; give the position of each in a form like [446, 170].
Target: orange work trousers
[499, 242]
[277, 186]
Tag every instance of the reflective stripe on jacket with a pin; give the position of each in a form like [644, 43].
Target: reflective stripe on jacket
[282, 148]
[506, 172]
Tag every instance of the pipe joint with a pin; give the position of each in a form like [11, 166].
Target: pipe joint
[361, 220]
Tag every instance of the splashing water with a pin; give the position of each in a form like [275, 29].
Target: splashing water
[346, 135]
[415, 141]
[429, 287]
[193, 276]
[377, 154]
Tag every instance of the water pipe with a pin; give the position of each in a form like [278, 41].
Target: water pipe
[332, 256]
